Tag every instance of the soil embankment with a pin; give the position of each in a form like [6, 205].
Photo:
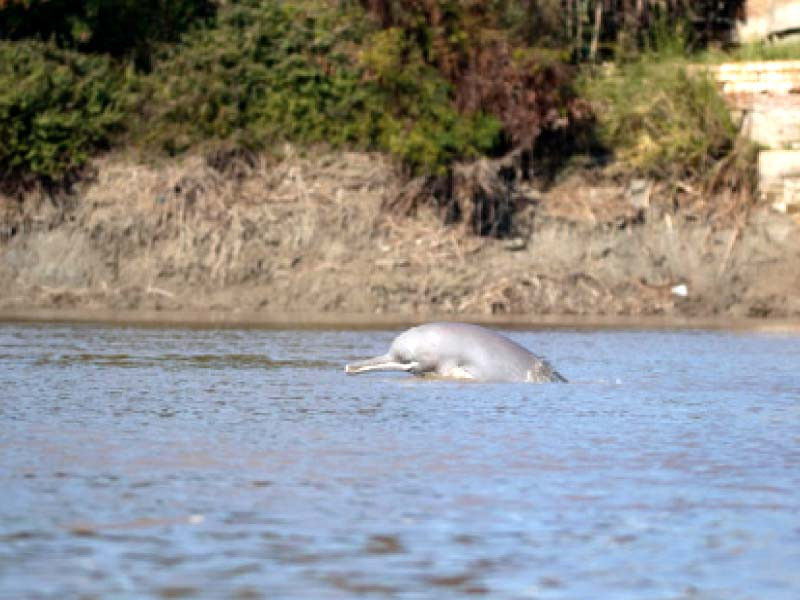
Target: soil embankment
[307, 235]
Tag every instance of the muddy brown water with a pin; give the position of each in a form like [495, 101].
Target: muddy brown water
[176, 462]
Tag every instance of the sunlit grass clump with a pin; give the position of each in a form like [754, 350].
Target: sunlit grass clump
[660, 118]
[755, 52]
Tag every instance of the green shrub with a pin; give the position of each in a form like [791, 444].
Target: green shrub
[56, 108]
[267, 72]
[420, 122]
[263, 71]
[659, 119]
[482, 49]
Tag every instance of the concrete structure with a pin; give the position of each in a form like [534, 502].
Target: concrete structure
[779, 179]
[767, 96]
[767, 18]
[740, 81]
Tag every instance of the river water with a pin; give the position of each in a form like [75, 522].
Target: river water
[243, 463]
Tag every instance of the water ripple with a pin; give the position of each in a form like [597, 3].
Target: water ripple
[180, 463]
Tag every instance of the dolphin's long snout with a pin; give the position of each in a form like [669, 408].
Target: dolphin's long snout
[378, 363]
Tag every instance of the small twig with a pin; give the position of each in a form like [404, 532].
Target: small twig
[737, 230]
[159, 292]
[598, 21]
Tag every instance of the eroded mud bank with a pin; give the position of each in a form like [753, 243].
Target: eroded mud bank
[307, 235]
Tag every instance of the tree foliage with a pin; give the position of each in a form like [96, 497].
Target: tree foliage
[56, 108]
[430, 81]
[308, 72]
[480, 48]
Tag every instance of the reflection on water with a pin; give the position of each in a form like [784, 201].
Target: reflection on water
[244, 463]
[175, 361]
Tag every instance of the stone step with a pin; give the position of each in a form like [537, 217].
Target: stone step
[767, 96]
[744, 83]
[779, 179]
[773, 125]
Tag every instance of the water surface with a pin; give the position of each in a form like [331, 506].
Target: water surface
[146, 462]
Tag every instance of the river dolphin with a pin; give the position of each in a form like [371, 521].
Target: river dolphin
[459, 351]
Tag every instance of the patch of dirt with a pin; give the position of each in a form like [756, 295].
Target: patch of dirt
[307, 234]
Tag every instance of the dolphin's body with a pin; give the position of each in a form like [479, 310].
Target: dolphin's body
[459, 351]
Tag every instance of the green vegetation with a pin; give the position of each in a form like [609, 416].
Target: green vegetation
[429, 81]
[308, 73]
[660, 119]
[259, 73]
[423, 126]
[262, 71]
[56, 108]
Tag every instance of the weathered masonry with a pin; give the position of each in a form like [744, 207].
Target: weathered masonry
[766, 96]
[760, 19]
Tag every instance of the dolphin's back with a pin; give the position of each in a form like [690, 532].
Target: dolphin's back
[486, 354]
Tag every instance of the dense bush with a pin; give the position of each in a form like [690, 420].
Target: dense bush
[309, 72]
[56, 108]
[261, 71]
[421, 122]
[482, 49]
[430, 81]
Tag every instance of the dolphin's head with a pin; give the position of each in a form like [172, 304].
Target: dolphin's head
[408, 352]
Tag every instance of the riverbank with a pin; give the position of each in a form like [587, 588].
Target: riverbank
[306, 235]
[363, 322]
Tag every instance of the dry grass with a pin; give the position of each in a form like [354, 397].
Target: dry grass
[473, 195]
[577, 200]
[307, 233]
[216, 228]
